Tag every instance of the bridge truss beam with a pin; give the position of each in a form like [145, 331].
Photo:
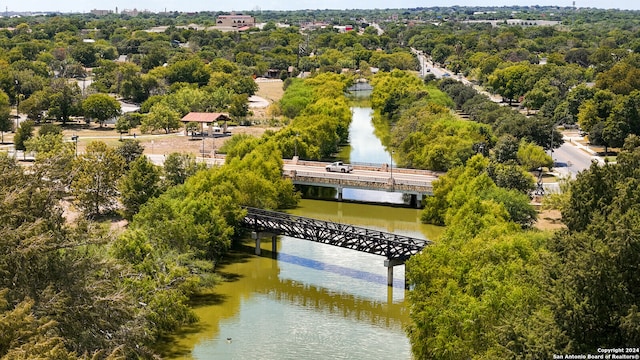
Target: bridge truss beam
[394, 247]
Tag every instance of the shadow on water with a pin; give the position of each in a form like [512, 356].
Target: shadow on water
[248, 247]
[237, 256]
[356, 196]
[340, 270]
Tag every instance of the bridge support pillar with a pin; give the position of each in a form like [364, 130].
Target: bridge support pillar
[416, 201]
[389, 264]
[274, 241]
[274, 246]
[256, 237]
[339, 194]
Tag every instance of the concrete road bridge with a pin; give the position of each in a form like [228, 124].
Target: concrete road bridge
[417, 183]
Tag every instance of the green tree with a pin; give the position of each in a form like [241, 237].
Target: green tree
[622, 78]
[53, 153]
[481, 291]
[595, 110]
[162, 117]
[532, 156]
[97, 172]
[100, 107]
[512, 82]
[191, 71]
[35, 105]
[84, 53]
[138, 185]
[58, 292]
[506, 148]
[178, 167]
[64, 100]
[542, 92]
[239, 107]
[123, 125]
[5, 119]
[130, 150]
[46, 129]
[475, 178]
[511, 176]
[24, 133]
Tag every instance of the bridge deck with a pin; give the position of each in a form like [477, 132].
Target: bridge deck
[392, 246]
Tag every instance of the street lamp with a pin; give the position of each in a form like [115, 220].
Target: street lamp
[553, 127]
[391, 157]
[75, 139]
[17, 104]
[295, 146]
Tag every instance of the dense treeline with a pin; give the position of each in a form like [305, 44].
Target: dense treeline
[318, 118]
[545, 68]
[74, 289]
[488, 289]
[492, 287]
[425, 133]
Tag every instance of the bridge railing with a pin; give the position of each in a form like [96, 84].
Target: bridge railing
[382, 168]
[352, 177]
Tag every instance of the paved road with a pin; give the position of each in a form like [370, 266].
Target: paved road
[569, 160]
[428, 66]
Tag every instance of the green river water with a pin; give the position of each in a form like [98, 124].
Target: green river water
[314, 301]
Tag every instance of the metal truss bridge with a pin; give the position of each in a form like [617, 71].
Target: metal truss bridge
[395, 248]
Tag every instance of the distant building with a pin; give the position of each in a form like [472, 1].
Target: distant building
[515, 22]
[97, 12]
[313, 25]
[134, 12]
[236, 21]
[344, 28]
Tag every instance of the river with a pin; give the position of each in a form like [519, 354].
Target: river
[314, 301]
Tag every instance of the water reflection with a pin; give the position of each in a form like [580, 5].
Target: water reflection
[340, 270]
[313, 302]
[364, 148]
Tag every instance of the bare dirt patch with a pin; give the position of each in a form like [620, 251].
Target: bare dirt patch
[270, 90]
[549, 220]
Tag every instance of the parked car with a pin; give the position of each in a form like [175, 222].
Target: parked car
[339, 166]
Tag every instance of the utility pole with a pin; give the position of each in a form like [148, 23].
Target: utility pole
[391, 163]
[551, 146]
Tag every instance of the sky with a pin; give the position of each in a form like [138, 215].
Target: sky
[244, 5]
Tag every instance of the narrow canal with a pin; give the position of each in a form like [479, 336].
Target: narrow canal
[315, 301]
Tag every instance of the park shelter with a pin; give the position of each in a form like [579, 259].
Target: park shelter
[214, 122]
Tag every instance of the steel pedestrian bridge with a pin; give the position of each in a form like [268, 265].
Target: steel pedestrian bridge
[395, 248]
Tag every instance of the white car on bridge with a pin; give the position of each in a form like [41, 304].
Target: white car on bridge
[339, 166]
